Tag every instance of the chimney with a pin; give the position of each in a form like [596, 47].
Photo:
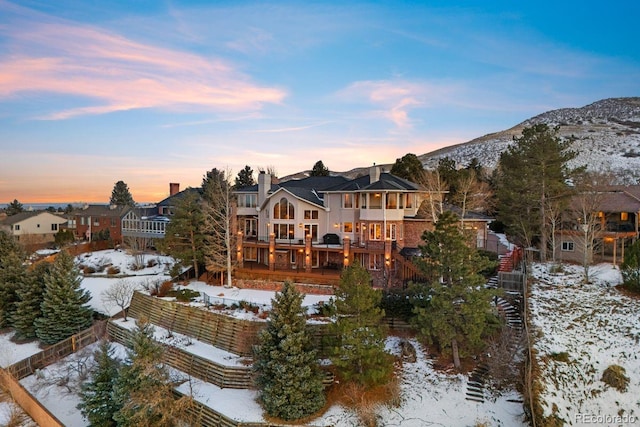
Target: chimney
[264, 186]
[374, 174]
[174, 188]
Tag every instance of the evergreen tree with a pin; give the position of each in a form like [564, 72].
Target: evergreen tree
[630, 268]
[143, 391]
[64, 307]
[359, 353]
[183, 236]
[13, 276]
[532, 172]
[319, 169]
[98, 405]
[408, 167]
[121, 196]
[459, 313]
[30, 297]
[14, 207]
[288, 375]
[244, 178]
[219, 238]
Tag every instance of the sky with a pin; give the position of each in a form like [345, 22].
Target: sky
[151, 92]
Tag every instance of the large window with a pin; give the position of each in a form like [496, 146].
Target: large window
[408, 201]
[251, 254]
[247, 200]
[283, 210]
[376, 261]
[283, 231]
[348, 227]
[391, 232]
[313, 230]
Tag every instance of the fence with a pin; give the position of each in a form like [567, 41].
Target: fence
[512, 281]
[11, 376]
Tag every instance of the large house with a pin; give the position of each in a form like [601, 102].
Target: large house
[319, 223]
[100, 222]
[33, 227]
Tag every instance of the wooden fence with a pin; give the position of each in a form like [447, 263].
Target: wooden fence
[237, 336]
[11, 376]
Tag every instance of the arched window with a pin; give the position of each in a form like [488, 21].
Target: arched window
[283, 210]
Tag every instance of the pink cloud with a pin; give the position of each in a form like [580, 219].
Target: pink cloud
[120, 74]
[397, 98]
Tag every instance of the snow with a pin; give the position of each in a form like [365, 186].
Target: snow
[11, 353]
[597, 326]
[426, 393]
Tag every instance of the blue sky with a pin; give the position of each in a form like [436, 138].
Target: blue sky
[152, 92]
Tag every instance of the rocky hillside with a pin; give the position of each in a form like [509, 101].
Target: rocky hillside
[607, 138]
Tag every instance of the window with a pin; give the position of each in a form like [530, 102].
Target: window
[251, 254]
[567, 246]
[113, 222]
[375, 231]
[37, 225]
[391, 232]
[96, 222]
[347, 201]
[313, 230]
[283, 210]
[408, 201]
[251, 227]
[376, 261]
[16, 227]
[247, 200]
[363, 199]
[348, 227]
[375, 201]
[283, 231]
[624, 216]
[392, 201]
[81, 220]
[54, 227]
[311, 214]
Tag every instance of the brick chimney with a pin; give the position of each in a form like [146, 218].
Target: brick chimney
[174, 188]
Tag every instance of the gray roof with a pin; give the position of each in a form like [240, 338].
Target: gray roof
[103, 211]
[14, 219]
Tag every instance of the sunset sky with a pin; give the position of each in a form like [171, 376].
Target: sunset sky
[152, 92]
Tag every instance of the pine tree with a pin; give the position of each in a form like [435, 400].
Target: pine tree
[359, 353]
[64, 309]
[121, 196]
[458, 314]
[288, 375]
[408, 167]
[144, 389]
[14, 207]
[319, 169]
[98, 405]
[531, 172]
[13, 276]
[30, 297]
[244, 178]
[630, 268]
[183, 237]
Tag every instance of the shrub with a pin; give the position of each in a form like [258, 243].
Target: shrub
[113, 270]
[563, 356]
[88, 270]
[152, 262]
[164, 288]
[614, 376]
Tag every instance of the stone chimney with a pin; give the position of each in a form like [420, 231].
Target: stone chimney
[374, 174]
[174, 188]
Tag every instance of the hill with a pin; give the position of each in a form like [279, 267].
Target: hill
[607, 136]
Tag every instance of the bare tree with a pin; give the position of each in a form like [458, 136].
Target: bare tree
[137, 246]
[472, 193]
[436, 186]
[119, 294]
[218, 228]
[585, 208]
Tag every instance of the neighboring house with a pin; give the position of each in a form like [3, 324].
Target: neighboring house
[320, 223]
[33, 227]
[147, 224]
[100, 222]
[616, 210]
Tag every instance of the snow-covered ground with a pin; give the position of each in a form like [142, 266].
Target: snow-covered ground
[428, 397]
[581, 330]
